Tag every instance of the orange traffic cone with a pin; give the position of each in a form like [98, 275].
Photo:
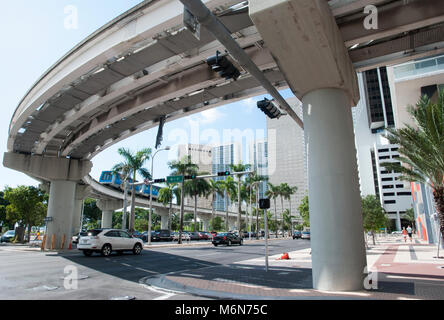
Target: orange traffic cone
[70, 245]
[285, 256]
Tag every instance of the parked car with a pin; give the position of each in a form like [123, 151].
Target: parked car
[164, 235]
[105, 241]
[227, 238]
[297, 235]
[397, 232]
[213, 233]
[137, 234]
[203, 235]
[8, 236]
[244, 234]
[305, 235]
[194, 235]
[75, 238]
[154, 236]
[185, 236]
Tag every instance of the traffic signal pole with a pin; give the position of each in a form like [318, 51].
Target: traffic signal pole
[221, 33]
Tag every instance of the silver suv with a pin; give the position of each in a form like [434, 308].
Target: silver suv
[105, 241]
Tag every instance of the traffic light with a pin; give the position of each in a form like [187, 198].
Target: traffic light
[191, 177]
[159, 180]
[264, 204]
[224, 173]
[268, 107]
[223, 66]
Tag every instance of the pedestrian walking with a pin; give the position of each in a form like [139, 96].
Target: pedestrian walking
[409, 232]
[404, 232]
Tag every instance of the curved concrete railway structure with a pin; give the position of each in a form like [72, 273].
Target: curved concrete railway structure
[145, 65]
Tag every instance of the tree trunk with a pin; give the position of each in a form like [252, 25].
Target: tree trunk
[29, 232]
[226, 211]
[438, 195]
[170, 214]
[257, 212]
[212, 212]
[133, 206]
[179, 241]
[282, 216]
[195, 212]
[239, 209]
[275, 218]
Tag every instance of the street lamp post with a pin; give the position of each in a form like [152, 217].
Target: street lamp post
[151, 194]
[125, 192]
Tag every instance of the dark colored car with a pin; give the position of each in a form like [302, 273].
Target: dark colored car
[203, 235]
[137, 234]
[154, 236]
[8, 236]
[194, 235]
[297, 235]
[164, 235]
[227, 238]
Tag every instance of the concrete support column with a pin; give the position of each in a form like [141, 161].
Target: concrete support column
[61, 210]
[107, 218]
[164, 215]
[164, 222]
[398, 221]
[108, 207]
[338, 251]
[206, 224]
[82, 192]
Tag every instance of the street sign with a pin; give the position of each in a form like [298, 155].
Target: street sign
[174, 179]
[47, 219]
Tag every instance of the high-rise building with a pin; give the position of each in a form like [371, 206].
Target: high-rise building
[371, 117]
[408, 82]
[286, 157]
[258, 152]
[222, 157]
[200, 155]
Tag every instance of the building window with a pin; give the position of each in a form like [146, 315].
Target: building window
[389, 201]
[404, 193]
[389, 194]
[387, 179]
[388, 187]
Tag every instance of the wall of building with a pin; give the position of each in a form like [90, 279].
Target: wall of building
[286, 157]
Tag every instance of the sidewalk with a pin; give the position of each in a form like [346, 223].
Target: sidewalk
[404, 271]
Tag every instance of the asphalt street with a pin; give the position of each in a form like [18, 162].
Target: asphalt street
[36, 275]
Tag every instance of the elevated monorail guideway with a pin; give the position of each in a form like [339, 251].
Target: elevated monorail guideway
[145, 66]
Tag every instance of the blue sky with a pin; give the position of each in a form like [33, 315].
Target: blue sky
[34, 37]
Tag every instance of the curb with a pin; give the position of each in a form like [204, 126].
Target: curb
[168, 285]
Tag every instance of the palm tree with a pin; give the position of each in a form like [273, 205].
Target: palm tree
[166, 196]
[287, 192]
[228, 186]
[283, 193]
[196, 188]
[132, 165]
[272, 193]
[239, 168]
[254, 180]
[422, 149]
[182, 167]
[250, 196]
[213, 190]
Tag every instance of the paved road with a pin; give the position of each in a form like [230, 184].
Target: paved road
[36, 275]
